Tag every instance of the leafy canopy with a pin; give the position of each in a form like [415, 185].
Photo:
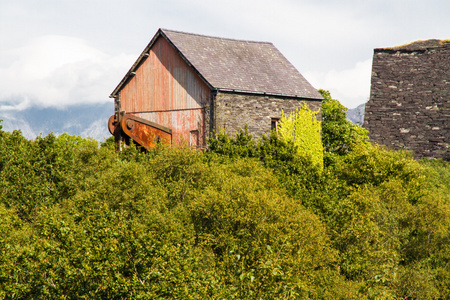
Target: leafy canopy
[338, 134]
[302, 128]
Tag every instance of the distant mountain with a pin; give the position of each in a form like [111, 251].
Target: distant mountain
[356, 115]
[84, 120]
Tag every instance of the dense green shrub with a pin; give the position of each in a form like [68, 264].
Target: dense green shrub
[245, 220]
[172, 223]
[386, 214]
[338, 134]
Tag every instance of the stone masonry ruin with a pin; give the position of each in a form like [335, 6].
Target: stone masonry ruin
[409, 106]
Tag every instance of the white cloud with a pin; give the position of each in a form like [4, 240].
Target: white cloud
[351, 86]
[324, 39]
[58, 71]
[19, 105]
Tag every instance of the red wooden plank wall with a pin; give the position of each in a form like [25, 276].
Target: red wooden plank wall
[167, 87]
[164, 81]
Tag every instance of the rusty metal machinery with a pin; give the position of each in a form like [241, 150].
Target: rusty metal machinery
[143, 132]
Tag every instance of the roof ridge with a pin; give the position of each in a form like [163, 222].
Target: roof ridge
[214, 37]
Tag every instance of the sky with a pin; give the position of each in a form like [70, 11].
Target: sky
[62, 53]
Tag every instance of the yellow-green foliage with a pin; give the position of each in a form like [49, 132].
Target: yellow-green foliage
[303, 129]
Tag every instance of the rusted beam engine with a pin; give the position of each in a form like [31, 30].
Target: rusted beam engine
[145, 133]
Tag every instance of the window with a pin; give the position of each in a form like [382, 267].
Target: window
[194, 138]
[274, 124]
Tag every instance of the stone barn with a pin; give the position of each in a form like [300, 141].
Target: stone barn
[409, 106]
[185, 86]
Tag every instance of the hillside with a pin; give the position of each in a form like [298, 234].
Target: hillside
[356, 115]
[244, 220]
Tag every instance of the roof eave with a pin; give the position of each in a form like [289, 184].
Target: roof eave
[131, 71]
[144, 55]
[319, 98]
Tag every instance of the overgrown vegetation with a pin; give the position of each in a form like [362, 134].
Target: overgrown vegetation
[245, 220]
[302, 129]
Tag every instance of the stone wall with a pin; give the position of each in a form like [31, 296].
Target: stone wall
[232, 111]
[409, 106]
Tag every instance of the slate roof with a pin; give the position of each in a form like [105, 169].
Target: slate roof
[236, 65]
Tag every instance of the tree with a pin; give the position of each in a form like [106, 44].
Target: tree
[339, 135]
[302, 128]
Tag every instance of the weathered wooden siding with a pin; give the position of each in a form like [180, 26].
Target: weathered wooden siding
[184, 124]
[165, 86]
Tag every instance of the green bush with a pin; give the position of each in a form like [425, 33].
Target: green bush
[245, 220]
[339, 135]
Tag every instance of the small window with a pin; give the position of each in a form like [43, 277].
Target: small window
[274, 124]
[194, 138]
